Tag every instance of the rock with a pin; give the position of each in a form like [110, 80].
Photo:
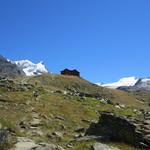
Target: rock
[35, 123]
[77, 136]
[24, 125]
[117, 106]
[28, 144]
[9, 69]
[4, 135]
[129, 130]
[55, 135]
[103, 101]
[44, 116]
[25, 144]
[110, 102]
[65, 92]
[100, 146]
[62, 127]
[60, 118]
[35, 115]
[36, 133]
[45, 146]
[122, 105]
[69, 146]
[80, 129]
[86, 121]
[59, 92]
[92, 137]
[58, 134]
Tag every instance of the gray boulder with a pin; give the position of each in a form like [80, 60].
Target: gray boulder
[28, 144]
[100, 146]
[45, 146]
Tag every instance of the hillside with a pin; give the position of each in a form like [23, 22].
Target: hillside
[63, 110]
[83, 87]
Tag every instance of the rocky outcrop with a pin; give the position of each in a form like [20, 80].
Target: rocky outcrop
[28, 144]
[133, 131]
[4, 134]
[11, 85]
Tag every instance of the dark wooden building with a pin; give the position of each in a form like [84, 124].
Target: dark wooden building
[70, 72]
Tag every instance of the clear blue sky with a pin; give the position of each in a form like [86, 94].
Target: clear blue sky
[104, 39]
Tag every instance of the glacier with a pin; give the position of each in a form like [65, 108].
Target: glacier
[127, 81]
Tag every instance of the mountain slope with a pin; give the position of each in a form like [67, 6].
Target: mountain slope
[142, 84]
[54, 116]
[77, 85]
[7, 69]
[128, 81]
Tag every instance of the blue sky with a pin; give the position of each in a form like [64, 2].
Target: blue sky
[104, 39]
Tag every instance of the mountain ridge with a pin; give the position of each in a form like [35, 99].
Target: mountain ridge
[9, 69]
[30, 68]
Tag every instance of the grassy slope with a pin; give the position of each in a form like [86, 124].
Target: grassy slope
[18, 106]
[61, 82]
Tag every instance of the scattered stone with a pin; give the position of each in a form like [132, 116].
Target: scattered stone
[110, 102]
[4, 137]
[65, 92]
[45, 146]
[24, 125]
[44, 116]
[129, 130]
[69, 146]
[80, 129]
[117, 106]
[100, 146]
[28, 144]
[62, 127]
[86, 121]
[122, 105]
[55, 135]
[60, 118]
[103, 101]
[59, 92]
[36, 133]
[35, 123]
[25, 144]
[92, 137]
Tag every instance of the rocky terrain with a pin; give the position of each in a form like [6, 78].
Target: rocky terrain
[8, 69]
[56, 111]
[60, 112]
[135, 131]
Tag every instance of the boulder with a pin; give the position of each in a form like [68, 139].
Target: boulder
[4, 137]
[129, 130]
[45, 146]
[28, 144]
[100, 146]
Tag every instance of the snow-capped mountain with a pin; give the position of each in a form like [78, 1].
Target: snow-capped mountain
[31, 69]
[124, 82]
[142, 84]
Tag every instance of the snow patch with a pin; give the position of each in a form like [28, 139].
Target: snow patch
[145, 80]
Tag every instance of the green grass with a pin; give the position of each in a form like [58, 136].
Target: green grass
[72, 108]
